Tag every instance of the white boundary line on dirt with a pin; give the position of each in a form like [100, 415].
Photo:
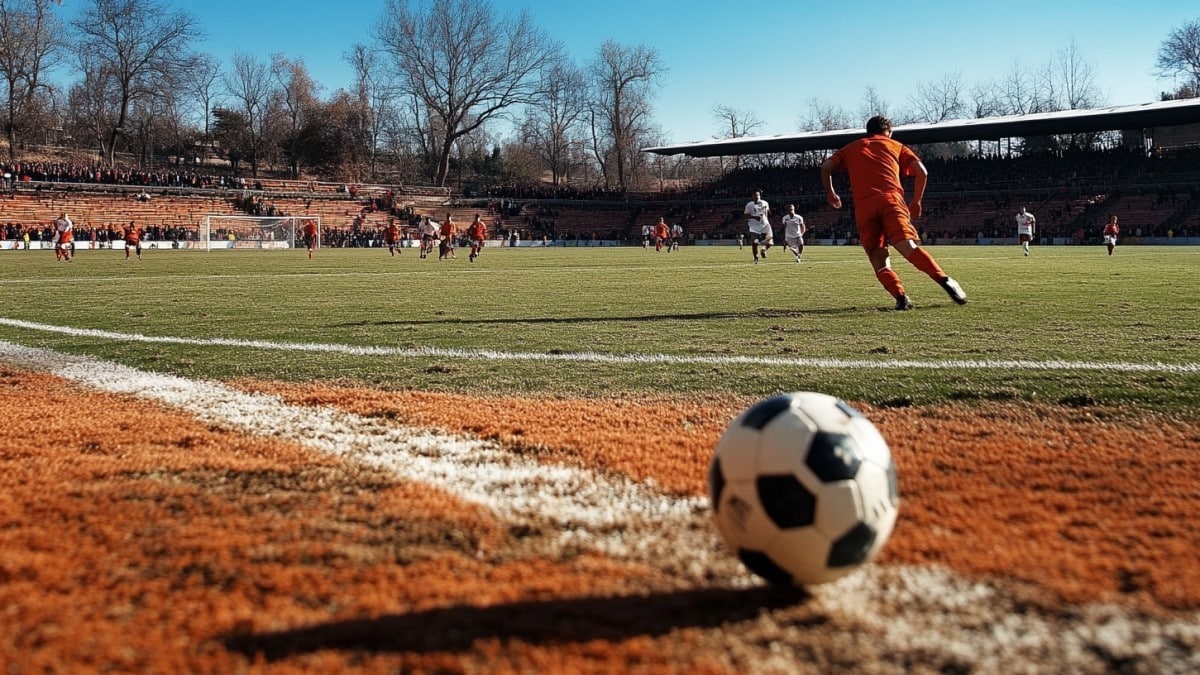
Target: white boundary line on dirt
[914, 610]
[608, 513]
[596, 357]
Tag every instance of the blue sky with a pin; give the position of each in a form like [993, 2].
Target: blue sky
[770, 57]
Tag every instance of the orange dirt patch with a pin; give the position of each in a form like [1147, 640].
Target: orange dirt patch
[134, 538]
[1069, 500]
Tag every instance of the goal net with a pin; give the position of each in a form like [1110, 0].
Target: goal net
[255, 232]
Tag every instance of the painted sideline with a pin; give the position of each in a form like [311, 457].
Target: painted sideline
[596, 357]
[914, 610]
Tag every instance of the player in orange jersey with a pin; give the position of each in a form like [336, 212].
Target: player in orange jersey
[309, 232]
[133, 240]
[64, 237]
[476, 233]
[1110, 234]
[661, 234]
[875, 164]
[391, 236]
[448, 232]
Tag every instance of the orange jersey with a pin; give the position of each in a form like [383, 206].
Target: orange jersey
[477, 231]
[448, 229]
[310, 230]
[1111, 230]
[661, 231]
[133, 235]
[875, 164]
[391, 234]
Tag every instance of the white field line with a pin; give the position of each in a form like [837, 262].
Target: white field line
[918, 611]
[597, 357]
[605, 513]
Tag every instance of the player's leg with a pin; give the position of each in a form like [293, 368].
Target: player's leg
[898, 229]
[754, 246]
[869, 217]
[881, 262]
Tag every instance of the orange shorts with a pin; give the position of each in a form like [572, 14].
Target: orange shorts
[883, 220]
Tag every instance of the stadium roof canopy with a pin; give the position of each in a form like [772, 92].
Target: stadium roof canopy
[1143, 116]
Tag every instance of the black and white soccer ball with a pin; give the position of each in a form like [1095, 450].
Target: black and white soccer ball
[803, 489]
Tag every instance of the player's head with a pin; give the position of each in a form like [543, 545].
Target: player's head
[1022, 210]
[1112, 219]
[791, 208]
[879, 124]
[757, 195]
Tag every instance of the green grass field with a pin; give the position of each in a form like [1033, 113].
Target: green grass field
[702, 306]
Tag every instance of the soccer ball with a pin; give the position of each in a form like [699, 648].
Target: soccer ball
[803, 489]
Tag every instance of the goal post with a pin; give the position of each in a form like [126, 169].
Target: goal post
[220, 231]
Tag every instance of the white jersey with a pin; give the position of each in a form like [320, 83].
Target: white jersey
[759, 212]
[646, 230]
[1025, 222]
[428, 228]
[62, 226]
[793, 226]
[676, 231]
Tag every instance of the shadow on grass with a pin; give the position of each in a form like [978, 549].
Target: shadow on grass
[454, 629]
[761, 313]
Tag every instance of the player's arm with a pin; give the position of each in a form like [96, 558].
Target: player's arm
[831, 195]
[920, 180]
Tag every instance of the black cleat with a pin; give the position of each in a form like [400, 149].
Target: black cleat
[903, 303]
[955, 291]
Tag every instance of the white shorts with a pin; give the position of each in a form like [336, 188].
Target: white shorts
[1110, 239]
[794, 242]
[756, 227]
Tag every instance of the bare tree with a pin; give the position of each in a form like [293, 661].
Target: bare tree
[872, 104]
[374, 93]
[201, 80]
[30, 44]
[142, 43]
[551, 127]
[249, 85]
[623, 79]
[939, 100]
[298, 100]
[1076, 80]
[825, 116]
[984, 100]
[734, 123]
[1019, 93]
[1180, 55]
[464, 63]
[91, 102]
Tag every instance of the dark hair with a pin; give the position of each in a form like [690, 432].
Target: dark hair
[879, 125]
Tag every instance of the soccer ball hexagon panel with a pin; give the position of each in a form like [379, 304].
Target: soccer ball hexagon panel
[803, 488]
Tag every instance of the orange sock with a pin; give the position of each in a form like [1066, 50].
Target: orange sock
[891, 281]
[925, 262]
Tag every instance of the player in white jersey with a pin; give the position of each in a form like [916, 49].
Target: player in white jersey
[793, 231]
[64, 237]
[1026, 226]
[759, 223]
[676, 235]
[646, 232]
[429, 235]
